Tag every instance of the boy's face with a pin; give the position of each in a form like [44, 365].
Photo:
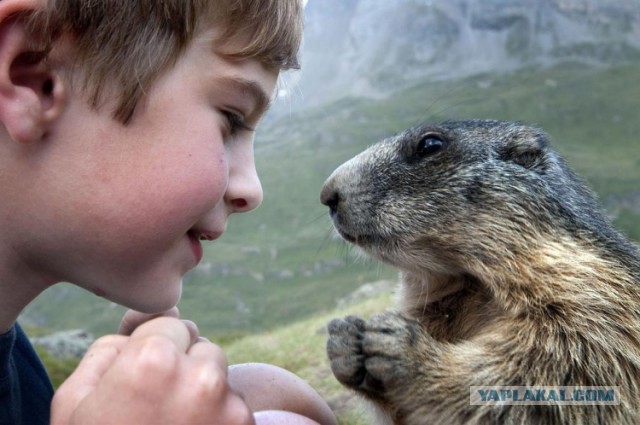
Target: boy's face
[126, 205]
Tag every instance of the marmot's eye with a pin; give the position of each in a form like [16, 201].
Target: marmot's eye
[429, 145]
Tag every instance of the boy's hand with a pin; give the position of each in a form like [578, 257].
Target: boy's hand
[156, 375]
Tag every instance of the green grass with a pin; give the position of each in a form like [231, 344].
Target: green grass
[57, 369]
[628, 221]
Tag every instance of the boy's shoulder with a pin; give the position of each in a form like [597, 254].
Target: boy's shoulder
[25, 389]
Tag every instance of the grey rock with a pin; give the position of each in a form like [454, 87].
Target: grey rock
[65, 344]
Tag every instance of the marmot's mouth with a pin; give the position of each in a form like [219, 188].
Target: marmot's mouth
[360, 240]
[347, 237]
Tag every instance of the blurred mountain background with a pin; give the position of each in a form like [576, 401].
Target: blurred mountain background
[371, 68]
[372, 48]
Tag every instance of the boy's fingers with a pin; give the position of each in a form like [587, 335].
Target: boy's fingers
[99, 357]
[95, 363]
[179, 332]
[132, 319]
[207, 352]
[194, 332]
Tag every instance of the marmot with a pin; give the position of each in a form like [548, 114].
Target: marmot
[511, 276]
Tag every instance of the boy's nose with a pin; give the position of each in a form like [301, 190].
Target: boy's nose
[244, 192]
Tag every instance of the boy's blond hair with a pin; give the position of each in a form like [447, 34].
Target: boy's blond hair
[129, 43]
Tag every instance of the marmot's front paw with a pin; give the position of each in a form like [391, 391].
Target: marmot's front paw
[369, 356]
[389, 345]
[344, 349]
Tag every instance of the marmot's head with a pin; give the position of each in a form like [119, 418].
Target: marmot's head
[433, 197]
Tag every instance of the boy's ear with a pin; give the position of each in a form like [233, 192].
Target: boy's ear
[31, 92]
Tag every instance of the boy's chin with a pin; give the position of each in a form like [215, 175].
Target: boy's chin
[153, 301]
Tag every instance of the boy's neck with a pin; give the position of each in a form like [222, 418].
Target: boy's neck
[16, 292]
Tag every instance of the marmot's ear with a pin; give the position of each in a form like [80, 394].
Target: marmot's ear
[525, 148]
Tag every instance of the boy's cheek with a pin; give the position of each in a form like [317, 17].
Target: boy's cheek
[163, 206]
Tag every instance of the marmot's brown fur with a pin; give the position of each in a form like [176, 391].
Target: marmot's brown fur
[511, 275]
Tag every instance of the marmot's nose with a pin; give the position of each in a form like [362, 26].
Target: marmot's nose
[330, 196]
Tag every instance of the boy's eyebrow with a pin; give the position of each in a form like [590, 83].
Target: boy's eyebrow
[251, 89]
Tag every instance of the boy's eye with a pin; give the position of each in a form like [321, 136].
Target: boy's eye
[235, 122]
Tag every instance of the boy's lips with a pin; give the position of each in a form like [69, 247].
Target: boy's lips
[196, 236]
[196, 247]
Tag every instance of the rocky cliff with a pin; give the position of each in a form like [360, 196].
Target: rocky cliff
[372, 47]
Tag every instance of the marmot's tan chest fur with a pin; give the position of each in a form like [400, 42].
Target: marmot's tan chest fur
[512, 276]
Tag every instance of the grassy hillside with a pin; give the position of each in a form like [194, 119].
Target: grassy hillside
[281, 264]
[300, 348]
[590, 115]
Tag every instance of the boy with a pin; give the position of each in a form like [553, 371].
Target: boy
[127, 140]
